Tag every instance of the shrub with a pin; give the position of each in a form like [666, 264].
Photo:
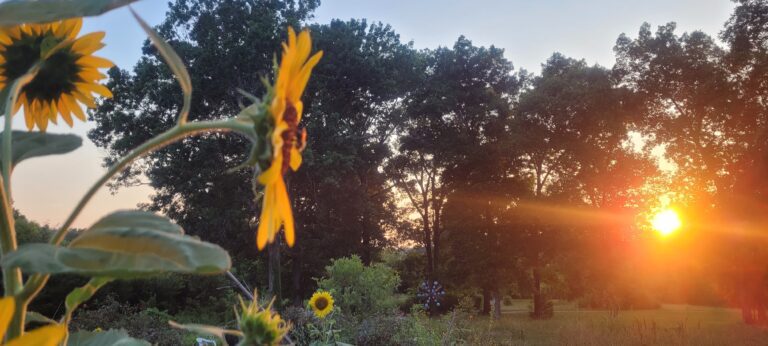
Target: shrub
[359, 290]
[151, 325]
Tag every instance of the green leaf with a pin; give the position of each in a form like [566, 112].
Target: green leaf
[123, 247]
[174, 63]
[14, 12]
[39, 318]
[137, 219]
[27, 145]
[106, 338]
[82, 294]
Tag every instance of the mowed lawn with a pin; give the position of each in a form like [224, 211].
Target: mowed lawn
[669, 325]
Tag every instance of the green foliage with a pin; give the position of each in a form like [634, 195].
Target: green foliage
[29, 231]
[27, 145]
[14, 12]
[360, 290]
[144, 325]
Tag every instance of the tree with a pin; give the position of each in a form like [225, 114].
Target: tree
[462, 100]
[572, 127]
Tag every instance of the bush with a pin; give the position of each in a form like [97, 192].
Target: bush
[381, 330]
[151, 325]
[358, 290]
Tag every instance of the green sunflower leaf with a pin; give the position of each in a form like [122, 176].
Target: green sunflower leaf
[106, 338]
[119, 246]
[174, 63]
[14, 12]
[27, 145]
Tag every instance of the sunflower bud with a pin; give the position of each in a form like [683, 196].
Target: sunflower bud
[261, 326]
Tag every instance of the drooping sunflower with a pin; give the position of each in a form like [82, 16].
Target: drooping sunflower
[286, 138]
[321, 303]
[68, 76]
[50, 335]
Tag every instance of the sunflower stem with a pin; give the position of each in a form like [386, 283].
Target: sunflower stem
[178, 132]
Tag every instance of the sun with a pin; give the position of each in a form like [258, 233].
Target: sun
[666, 222]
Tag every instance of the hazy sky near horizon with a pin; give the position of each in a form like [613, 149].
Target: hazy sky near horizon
[46, 189]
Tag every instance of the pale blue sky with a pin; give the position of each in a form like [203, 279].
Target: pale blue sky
[529, 31]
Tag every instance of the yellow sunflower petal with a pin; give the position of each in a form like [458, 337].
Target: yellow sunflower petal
[65, 113]
[284, 207]
[295, 159]
[303, 77]
[89, 75]
[76, 29]
[89, 43]
[7, 306]
[94, 61]
[94, 87]
[84, 97]
[262, 233]
[303, 47]
[14, 32]
[50, 335]
[52, 111]
[73, 106]
[29, 118]
[21, 101]
[273, 172]
[5, 39]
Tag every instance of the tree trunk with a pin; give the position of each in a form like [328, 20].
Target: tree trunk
[496, 305]
[436, 240]
[428, 248]
[538, 303]
[486, 301]
[365, 238]
[296, 273]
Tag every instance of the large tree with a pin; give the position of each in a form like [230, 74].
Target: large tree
[572, 128]
[459, 108]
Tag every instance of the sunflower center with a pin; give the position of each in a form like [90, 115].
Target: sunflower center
[57, 75]
[291, 117]
[321, 303]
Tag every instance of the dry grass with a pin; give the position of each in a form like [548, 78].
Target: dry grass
[670, 325]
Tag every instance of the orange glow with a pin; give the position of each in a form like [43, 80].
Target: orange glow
[666, 222]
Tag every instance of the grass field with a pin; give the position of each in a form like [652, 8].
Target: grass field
[669, 325]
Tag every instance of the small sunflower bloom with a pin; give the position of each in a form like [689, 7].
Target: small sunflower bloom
[287, 140]
[50, 335]
[261, 326]
[321, 303]
[67, 78]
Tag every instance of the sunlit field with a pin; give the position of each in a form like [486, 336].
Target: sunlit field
[668, 325]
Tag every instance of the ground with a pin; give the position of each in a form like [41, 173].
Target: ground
[669, 325]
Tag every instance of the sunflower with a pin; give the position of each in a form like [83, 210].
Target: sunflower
[321, 303]
[67, 77]
[286, 139]
[260, 325]
[49, 335]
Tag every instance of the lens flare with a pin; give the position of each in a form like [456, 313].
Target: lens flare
[666, 222]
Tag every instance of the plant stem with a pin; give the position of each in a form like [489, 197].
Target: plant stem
[178, 132]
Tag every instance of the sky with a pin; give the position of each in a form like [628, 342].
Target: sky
[46, 189]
